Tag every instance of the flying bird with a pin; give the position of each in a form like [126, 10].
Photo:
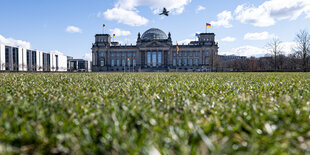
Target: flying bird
[165, 12]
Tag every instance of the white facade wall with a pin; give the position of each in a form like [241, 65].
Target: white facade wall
[2, 57]
[62, 63]
[22, 59]
[39, 60]
[53, 62]
[89, 66]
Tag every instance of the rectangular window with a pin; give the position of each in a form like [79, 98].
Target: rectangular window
[123, 54]
[190, 62]
[7, 57]
[117, 62]
[56, 62]
[180, 54]
[159, 58]
[15, 58]
[34, 60]
[191, 54]
[174, 62]
[123, 62]
[207, 62]
[112, 62]
[117, 55]
[134, 62]
[185, 62]
[133, 54]
[185, 54]
[206, 53]
[180, 62]
[197, 54]
[28, 59]
[101, 55]
[112, 55]
[154, 61]
[197, 62]
[174, 54]
[149, 58]
[102, 63]
[128, 54]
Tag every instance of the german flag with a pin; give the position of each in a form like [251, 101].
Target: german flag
[103, 26]
[178, 49]
[208, 25]
[113, 35]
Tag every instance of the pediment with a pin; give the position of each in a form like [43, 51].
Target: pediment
[154, 44]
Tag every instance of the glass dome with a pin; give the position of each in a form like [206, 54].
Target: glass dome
[154, 34]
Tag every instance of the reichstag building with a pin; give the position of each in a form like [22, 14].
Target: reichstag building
[154, 52]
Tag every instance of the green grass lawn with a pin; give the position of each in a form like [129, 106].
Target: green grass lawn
[143, 113]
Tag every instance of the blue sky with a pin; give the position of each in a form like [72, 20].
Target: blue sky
[241, 27]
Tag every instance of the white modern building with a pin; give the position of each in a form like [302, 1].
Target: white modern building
[21, 59]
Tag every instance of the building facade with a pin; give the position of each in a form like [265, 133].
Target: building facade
[154, 52]
[79, 65]
[21, 59]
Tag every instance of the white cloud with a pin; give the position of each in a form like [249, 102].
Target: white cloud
[129, 17]
[13, 42]
[223, 19]
[271, 11]
[258, 36]
[88, 56]
[73, 29]
[185, 41]
[308, 12]
[118, 32]
[126, 12]
[56, 52]
[200, 8]
[288, 47]
[228, 39]
[174, 6]
[246, 51]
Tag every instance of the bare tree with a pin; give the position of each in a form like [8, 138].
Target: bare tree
[274, 47]
[303, 46]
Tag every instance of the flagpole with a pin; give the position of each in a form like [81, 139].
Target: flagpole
[103, 26]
